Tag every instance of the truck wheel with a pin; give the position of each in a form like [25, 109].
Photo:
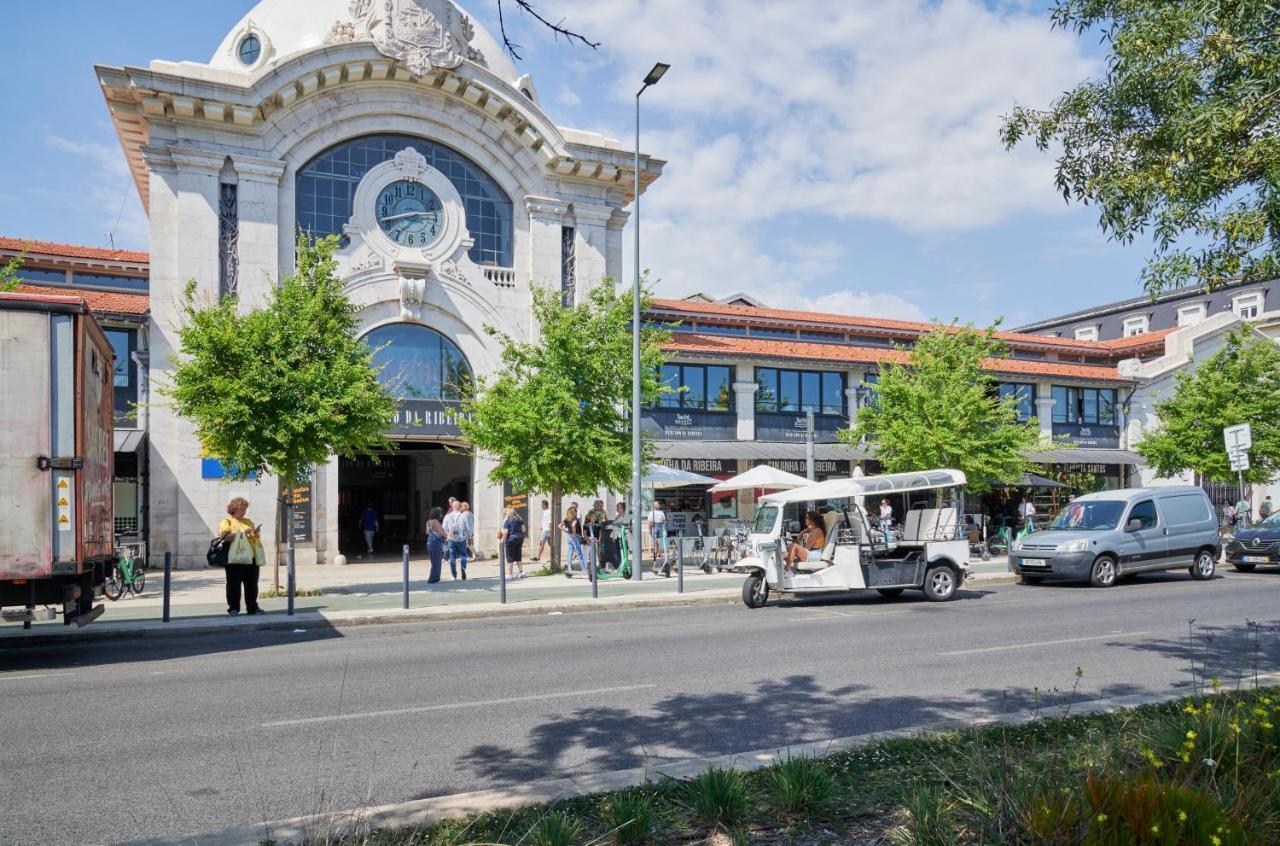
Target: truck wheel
[940, 583]
[755, 591]
[1204, 566]
[1103, 574]
[889, 592]
[1242, 567]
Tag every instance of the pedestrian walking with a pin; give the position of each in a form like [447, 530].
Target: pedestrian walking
[470, 520]
[658, 529]
[619, 528]
[544, 531]
[511, 535]
[593, 532]
[1267, 508]
[455, 530]
[572, 528]
[1242, 512]
[244, 558]
[436, 541]
[368, 525]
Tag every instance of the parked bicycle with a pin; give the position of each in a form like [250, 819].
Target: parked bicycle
[129, 572]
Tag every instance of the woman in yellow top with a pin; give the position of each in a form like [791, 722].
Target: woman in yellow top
[242, 575]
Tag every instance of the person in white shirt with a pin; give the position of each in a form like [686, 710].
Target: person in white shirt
[457, 531]
[658, 529]
[544, 530]
[886, 518]
[1026, 510]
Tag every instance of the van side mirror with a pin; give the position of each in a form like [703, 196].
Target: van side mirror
[1135, 525]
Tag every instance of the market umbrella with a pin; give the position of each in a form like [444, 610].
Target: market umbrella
[762, 476]
[1030, 480]
[661, 476]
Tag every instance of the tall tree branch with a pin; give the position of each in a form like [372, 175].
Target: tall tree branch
[558, 29]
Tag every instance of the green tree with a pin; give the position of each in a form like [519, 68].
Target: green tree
[555, 417]
[941, 408]
[9, 278]
[1238, 384]
[1178, 137]
[279, 389]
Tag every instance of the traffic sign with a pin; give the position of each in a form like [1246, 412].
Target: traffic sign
[1239, 438]
[1239, 460]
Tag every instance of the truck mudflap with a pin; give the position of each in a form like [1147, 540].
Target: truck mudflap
[82, 619]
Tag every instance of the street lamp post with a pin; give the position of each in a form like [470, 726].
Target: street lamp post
[637, 548]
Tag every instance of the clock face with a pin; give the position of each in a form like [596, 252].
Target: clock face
[409, 213]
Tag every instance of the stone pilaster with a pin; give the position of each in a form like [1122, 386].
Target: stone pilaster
[1044, 415]
[614, 234]
[744, 394]
[592, 244]
[259, 212]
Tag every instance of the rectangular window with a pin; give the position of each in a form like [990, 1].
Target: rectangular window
[811, 392]
[1086, 406]
[696, 387]
[670, 375]
[40, 275]
[767, 392]
[832, 393]
[1025, 394]
[788, 390]
[1086, 333]
[1190, 315]
[1107, 406]
[713, 329]
[760, 332]
[124, 342]
[103, 280]
[1064, 405]
[798, 391]
[1247, 306]
[1136, 325]
[719, 389]
[822, 337]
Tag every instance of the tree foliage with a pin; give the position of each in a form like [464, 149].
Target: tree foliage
[1238, 384]
[941, 408]
[281, 388]
[9, 278]
[555, 417]
[1179, 137]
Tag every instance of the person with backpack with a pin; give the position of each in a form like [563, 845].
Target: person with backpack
[456, 536]
[511, 535]
[1267, 508]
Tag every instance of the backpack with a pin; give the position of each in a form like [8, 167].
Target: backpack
[515, 530]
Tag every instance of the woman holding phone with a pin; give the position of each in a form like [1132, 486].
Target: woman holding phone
[242, 576]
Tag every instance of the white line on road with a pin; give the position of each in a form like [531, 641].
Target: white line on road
[454, 705]
[21, 676]
[1038, 643]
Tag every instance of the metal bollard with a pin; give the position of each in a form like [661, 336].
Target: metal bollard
[502, 572]
[679, 565]
[292, 581]
[406, 577]
[168, 582]
[595, 558]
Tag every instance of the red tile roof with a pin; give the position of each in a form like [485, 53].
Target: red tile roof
[1155, 340]
[105, 302]
[719, 345]
[49, 248]
[853, 322]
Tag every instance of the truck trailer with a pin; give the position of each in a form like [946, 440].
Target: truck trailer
[57, 521]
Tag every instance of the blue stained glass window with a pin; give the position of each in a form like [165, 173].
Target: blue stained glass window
[418, 363]
[326, 188]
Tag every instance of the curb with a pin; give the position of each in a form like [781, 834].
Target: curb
[328, 827]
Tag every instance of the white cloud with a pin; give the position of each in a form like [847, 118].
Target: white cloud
[866, 304]
[568, 97]
[114, 205]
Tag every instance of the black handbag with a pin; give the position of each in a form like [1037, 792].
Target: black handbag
[218, 551]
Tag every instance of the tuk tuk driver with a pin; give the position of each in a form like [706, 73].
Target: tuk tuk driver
[808, 545]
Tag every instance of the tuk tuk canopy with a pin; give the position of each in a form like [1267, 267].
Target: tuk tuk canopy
[891, 483]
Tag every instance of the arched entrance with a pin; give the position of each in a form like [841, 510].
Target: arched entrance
[425, 371]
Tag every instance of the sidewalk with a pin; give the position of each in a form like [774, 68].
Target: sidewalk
[372, 593]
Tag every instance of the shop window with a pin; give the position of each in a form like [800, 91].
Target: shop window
[1025, 396]
[799, 391]
[124, 343]
[326, 187]
[1084, 406]
[696, 387]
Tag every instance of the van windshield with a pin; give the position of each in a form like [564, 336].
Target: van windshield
[766, 518]
[1091, 515]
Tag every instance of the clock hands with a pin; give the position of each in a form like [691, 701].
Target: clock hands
[408, 214]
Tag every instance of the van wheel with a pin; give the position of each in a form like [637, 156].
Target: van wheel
[1104, 573]
[1242, 567]
[755, 591]
[940, 583]
[889, 592]
[1204, 566]
[1030, 580]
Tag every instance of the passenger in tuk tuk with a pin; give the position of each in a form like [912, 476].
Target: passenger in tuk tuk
[808, 545]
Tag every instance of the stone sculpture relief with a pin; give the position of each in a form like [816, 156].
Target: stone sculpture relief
[422, 34]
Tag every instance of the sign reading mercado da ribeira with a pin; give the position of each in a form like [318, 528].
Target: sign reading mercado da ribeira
[433, 418]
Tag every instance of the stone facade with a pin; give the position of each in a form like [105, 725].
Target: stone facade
[188, 129]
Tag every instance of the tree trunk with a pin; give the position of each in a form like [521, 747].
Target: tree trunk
[555, 527]
[280, 530]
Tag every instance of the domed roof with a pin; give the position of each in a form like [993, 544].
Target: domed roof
[286, 27]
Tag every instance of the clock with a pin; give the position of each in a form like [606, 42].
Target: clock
[409, 213]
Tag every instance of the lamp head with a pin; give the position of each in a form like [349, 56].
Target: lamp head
[656, 74]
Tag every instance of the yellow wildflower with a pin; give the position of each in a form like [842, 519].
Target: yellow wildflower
[1191, 735]
[1182, 816]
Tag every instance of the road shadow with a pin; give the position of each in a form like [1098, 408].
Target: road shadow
[1232, 654]
[869, 598]
[773, 713]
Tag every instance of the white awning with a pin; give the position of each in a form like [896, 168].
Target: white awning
[661, 476]
[762, 476]
[892, 483]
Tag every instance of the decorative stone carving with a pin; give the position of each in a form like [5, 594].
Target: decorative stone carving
[422, 34]
[449, 270]
[228, 240]
[369, 261]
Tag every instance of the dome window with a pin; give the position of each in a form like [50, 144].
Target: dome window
[249, 50]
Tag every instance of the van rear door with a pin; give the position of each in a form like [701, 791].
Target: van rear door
[1190, 523]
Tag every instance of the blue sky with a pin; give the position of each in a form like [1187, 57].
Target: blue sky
[840, 156]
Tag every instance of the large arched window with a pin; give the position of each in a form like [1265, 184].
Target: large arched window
[417, 363]
[327, 185]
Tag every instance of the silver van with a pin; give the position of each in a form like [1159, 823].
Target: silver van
[1102, 536]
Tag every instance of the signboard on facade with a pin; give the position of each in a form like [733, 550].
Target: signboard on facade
[798, 466]
[435, 418]
[1084, 435]
[702, 466]
[678, 425]
[791, 428]
[300, 516]
[518, 501]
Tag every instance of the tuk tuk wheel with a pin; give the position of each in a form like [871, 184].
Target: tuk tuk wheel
[940, 583]
[755, 591]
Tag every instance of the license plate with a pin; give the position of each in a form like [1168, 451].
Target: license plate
[1035, 562]
[1256, 559]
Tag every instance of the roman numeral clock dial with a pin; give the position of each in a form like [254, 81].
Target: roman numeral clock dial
[409, 213]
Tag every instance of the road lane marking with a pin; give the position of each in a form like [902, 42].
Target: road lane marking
[1038, 643]
[449, 706]
[21, 676]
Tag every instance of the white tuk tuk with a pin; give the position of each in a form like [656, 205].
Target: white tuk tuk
[927, 552]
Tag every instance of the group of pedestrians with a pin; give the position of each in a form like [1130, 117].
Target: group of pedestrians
[591, 540]
[450, 533]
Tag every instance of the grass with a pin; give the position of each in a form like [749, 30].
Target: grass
[270, 592]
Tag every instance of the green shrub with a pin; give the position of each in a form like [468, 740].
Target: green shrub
[800, 787]
[1126, 810]
[631, 816]
[718, 798]
[555, 829]
[931, 820]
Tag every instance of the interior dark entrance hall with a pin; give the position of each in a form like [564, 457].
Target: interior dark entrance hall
[402, 487]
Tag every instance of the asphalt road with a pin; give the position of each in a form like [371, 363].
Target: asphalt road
[154, 739]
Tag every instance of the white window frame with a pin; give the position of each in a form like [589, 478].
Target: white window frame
[1139, 324]
[1251, 300]
[1087, 333]
[1190, 315]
